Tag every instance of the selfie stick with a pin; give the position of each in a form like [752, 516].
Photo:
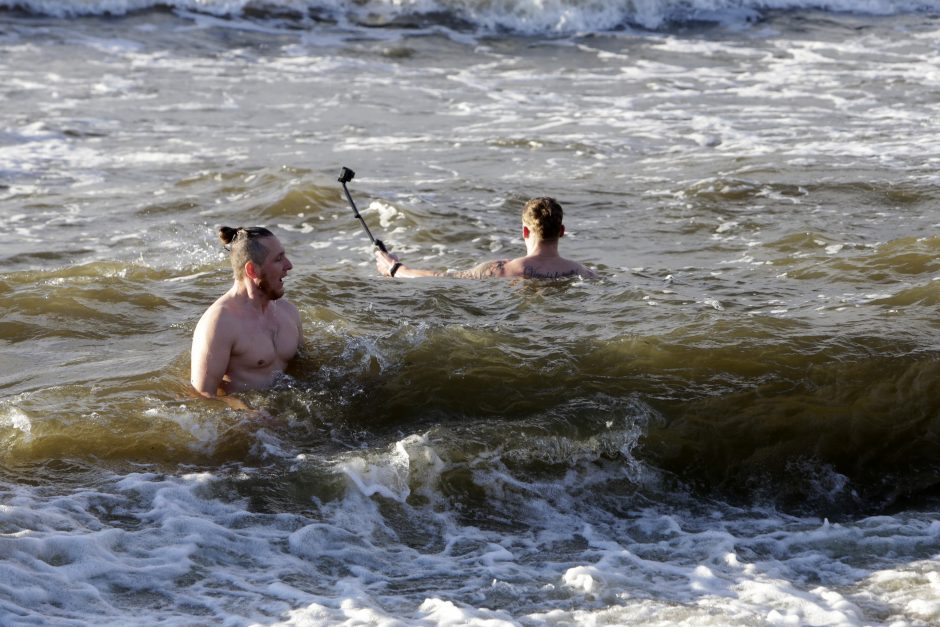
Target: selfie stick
[345, 176]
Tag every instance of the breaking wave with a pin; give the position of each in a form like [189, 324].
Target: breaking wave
[530, 17]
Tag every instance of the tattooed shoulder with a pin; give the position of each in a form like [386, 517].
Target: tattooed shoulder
[483, 271]
[531, 273]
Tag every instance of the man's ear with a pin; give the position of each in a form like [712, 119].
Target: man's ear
[561, 231]
[250, 270]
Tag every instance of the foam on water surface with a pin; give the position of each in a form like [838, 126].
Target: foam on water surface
[525, 16]
[132, 540]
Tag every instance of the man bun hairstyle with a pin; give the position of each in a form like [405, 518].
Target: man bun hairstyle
[227, 234]
[543, 216]
[246, 244]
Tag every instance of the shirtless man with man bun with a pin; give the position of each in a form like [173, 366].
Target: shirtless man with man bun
[247, 337]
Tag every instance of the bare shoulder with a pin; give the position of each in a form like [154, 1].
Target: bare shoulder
[485, 270]
[290, 308]
[586, 273]
[213, 315]
[219, 319]
[293, 315]
[565, 269]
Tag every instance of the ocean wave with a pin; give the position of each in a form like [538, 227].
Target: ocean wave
[514, 16]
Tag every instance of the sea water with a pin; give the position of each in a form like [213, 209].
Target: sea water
[735, 424]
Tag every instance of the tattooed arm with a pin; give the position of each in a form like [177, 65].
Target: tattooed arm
[389, 265]
[484, 270]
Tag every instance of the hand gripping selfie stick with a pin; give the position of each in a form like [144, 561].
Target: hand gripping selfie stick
[345, 176]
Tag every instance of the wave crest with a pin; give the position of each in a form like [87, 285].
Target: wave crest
[529, 17]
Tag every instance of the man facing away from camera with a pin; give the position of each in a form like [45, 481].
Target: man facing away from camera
[542, 227]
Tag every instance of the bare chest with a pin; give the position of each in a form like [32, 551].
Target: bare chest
[266, 344]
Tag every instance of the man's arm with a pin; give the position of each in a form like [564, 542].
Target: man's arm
[385, 263]
[295, 318]
[485, 270]
[211, 352]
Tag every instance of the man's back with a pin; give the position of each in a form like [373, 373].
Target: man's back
[528, 267]
[538, 267]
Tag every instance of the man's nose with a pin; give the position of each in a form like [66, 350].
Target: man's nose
[289, 264]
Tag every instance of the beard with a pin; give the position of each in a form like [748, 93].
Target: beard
[273, 293]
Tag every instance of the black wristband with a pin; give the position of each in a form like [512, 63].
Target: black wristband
[394, 268]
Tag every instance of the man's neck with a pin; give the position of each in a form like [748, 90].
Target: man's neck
[542, 248]
[249, 293]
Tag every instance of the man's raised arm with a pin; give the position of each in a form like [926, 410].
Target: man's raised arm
[389, 265]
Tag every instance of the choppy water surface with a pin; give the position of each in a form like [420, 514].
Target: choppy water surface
[736, 424]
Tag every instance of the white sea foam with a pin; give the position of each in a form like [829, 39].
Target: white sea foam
[204, 434]
[386, 212]
[71, 561]
[526, 16]
[14, 417]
